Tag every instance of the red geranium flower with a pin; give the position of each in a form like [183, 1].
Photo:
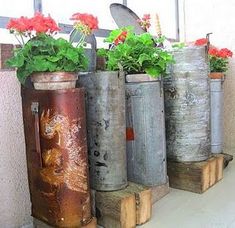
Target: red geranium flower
[145, 21]
[225, 53]
[121, 38]
[86, 20]
[213, 51]
[43, 24]
[21, 25]
[201, 42]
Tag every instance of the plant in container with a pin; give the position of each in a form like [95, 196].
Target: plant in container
[136, 54]
[144, 60]
[45, 58]
[218, 59]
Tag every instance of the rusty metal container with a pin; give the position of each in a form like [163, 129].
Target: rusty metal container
[146, 142]
[54, 80]
[106, 129]
[56, 150]
[187, 106]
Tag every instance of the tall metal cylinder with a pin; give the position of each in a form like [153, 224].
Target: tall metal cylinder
[217, 95]
[106, 129]
[146, 144]
[187, 106]
[56, 149]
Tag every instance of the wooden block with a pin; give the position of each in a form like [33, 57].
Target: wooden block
[159, 192]
[143, 201]
[192, 177]
[195, 176]
[219, 167]
[116, 209]
[227, 158]
[212, 166]
[91, 224]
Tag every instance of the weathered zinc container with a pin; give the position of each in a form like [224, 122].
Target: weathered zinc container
[106, 129]
[187, 106]
[146, 144]
[217, 95]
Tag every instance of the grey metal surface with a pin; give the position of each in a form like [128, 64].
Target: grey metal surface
[187, 106]
[123, 16]
[106, 129]
[146, 151]
[140, 78]
[217, 94]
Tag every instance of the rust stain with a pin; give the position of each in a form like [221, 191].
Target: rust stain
[56, 170]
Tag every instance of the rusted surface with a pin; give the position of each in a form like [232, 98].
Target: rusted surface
[58, 176]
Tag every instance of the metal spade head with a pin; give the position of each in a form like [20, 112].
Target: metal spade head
[123, 16]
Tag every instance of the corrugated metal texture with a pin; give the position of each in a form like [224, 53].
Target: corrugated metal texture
[106, 129]
[187, 106]
[217, 133]
[146, 149]
[56, 149]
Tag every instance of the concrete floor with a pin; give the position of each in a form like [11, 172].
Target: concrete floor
[213, 209]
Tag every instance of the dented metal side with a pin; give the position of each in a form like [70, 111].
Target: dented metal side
[56, 151]
[106, 129]
[187, 106]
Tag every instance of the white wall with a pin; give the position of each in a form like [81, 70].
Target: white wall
[14, 193]
[199, 17]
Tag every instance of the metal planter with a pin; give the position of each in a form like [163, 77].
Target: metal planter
[187, 106]
[56, 150]
[217, 95]
[106, 129]
[146, 144]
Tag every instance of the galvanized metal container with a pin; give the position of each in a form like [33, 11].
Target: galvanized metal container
[217, 95]
[56, 150]
[187, 106]
[106, 129]
[146, 144]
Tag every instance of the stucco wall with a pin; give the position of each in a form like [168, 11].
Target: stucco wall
[14, 194]
[198, 17]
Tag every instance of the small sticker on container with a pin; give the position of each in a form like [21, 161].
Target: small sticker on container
[130, 134]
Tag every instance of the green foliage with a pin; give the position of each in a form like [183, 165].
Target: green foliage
[137, 54]
[44, 53]
[218, 64]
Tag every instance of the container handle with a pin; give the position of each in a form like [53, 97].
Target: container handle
[35, 111]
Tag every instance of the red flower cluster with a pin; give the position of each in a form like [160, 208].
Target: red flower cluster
[86, 20]
[222, 53]
[121, 38]
[43, 24]
[38, 23]
[20, 25]
[145, 21]
[200, 42]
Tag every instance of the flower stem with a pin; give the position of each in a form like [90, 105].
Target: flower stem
[81, 41]
[18, 40]
[73, 37]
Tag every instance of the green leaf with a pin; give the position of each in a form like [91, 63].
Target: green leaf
[153, 71]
